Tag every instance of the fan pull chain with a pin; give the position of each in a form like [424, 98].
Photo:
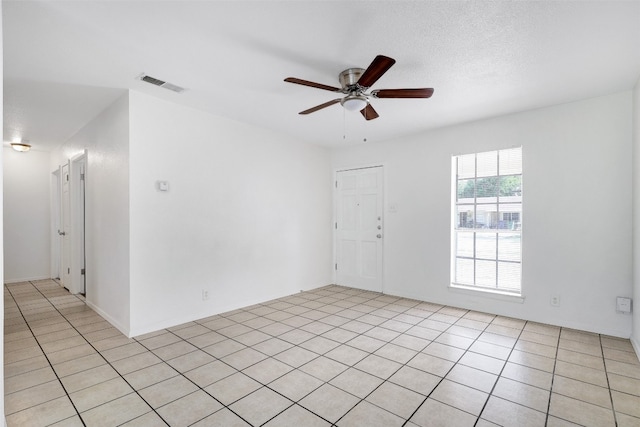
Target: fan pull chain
[344, 124]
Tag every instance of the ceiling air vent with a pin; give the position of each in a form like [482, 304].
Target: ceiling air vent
[161, 83]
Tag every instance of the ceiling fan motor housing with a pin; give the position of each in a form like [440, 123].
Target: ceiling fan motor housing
[349, 78]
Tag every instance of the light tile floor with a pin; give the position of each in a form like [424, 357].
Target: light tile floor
[332, 355]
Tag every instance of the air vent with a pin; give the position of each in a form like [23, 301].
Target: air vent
[160, 83]
[153, 81]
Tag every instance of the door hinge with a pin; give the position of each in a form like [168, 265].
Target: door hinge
[336, 184]
[68, 270]
[82, 271]
[336, 225]
[336, 265]
[81, 177]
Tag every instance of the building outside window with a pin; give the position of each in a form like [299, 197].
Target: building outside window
[487, 223]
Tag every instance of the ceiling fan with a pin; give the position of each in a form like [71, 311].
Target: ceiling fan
[355, 82]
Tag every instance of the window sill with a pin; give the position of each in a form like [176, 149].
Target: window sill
[488, 293]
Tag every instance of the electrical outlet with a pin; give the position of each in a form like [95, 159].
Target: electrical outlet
[555, 300]
[205, 295]
[623, 305]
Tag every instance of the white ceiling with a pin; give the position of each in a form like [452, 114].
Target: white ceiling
[65, 61]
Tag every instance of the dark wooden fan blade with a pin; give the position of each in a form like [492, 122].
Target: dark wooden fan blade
[403, 93]
[320, 107]
[369, 113]
[311, 84]
[376, 69]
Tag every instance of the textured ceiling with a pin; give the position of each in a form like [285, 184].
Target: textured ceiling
[65, 61]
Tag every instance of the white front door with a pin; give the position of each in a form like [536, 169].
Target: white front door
[359, 232]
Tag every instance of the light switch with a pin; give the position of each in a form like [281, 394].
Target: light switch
[163, 186]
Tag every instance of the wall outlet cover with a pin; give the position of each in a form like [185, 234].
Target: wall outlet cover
[623, 305]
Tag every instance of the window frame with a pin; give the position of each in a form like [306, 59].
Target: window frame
[499, 225]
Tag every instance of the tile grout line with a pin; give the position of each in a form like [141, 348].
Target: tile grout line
[44, 352]
[553, 376]
[445, 375]
[108, 363]
[224, 406]
[313, 319]
[606, 375]
[240, 371]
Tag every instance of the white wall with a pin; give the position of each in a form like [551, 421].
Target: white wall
[635, 337]
[577, 200]
[107, 209]
[247, 216]
[27, 215]
[1, 230]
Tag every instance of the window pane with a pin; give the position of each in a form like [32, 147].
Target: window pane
[487, 189]
[464, 245]
[464, 216]
[466, 166]
[511, 186]
[509, 247]
[510, 216]
[486, 273]
[486, 245]
[511, 161]
[464, 271]
[509, 276]
[466, 190]
[486, 216]
[487, 163]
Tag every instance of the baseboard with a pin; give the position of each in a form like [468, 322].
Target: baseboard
[190, 317]
[554, 322]
[26, 279]
[122, 328]
[636, 346]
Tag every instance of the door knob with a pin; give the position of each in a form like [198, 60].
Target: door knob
[379, 227]
[379, 236]
[62, 233]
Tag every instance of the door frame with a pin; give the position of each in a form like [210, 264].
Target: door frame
[334, 219]
[77, 200]
[56, 226]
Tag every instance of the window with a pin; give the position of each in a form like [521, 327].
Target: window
[487, 224]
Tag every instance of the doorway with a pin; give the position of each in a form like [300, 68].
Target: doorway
[64, 230]
[78, 174]
[69, 224]
[56, 225]
[359, 228]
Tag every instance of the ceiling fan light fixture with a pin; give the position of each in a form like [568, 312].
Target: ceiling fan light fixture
[354, 102]
[20, 146]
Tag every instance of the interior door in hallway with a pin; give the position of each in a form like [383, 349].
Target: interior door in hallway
[359, 228]
[66, 227]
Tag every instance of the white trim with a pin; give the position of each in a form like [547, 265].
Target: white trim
[485, 292]
[76, 207]
[26, 279]
[108, 318]
[636, 346]
[207, 312]
[55, 269]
